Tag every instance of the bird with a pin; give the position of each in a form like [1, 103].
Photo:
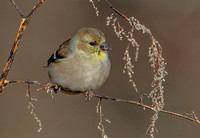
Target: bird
[80, 64]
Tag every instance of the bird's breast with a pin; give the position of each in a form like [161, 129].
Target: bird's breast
[80, 74]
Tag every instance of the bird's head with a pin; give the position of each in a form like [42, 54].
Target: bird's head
[92, 42]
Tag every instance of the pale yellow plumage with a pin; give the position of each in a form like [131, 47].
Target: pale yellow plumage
[81, 63]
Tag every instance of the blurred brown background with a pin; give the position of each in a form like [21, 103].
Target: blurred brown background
[176, 24]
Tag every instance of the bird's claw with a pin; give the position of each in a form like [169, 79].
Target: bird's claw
[56, 88]
[88, 95]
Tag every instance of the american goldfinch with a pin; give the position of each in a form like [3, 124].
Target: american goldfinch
[80, 64]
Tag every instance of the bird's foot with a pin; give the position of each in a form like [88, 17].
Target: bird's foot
[56, 88]
[88, 95]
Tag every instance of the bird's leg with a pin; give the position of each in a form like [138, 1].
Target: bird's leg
[88, 95]
[56, 88]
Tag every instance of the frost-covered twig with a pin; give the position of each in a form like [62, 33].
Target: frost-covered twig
[32, 108]
[155, 58]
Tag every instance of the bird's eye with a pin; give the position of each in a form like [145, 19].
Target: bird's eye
[92, 43]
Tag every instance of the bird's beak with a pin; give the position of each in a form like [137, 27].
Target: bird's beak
[105, 46]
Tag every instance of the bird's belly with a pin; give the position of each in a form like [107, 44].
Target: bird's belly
[80, 76]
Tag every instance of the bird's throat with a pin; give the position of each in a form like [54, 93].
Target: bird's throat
[96, 56]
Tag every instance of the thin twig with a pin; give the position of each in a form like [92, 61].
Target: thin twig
[24, 22]
[18, 9]
[29, 92]
[115, 10]
[146, 107]
[195, 120]
[101, 116]
[27, 81]
[123, 15]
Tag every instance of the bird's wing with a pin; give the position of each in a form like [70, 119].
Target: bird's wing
[62, 52]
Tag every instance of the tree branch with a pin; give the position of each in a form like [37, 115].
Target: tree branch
[24, 22]
[137, 103]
